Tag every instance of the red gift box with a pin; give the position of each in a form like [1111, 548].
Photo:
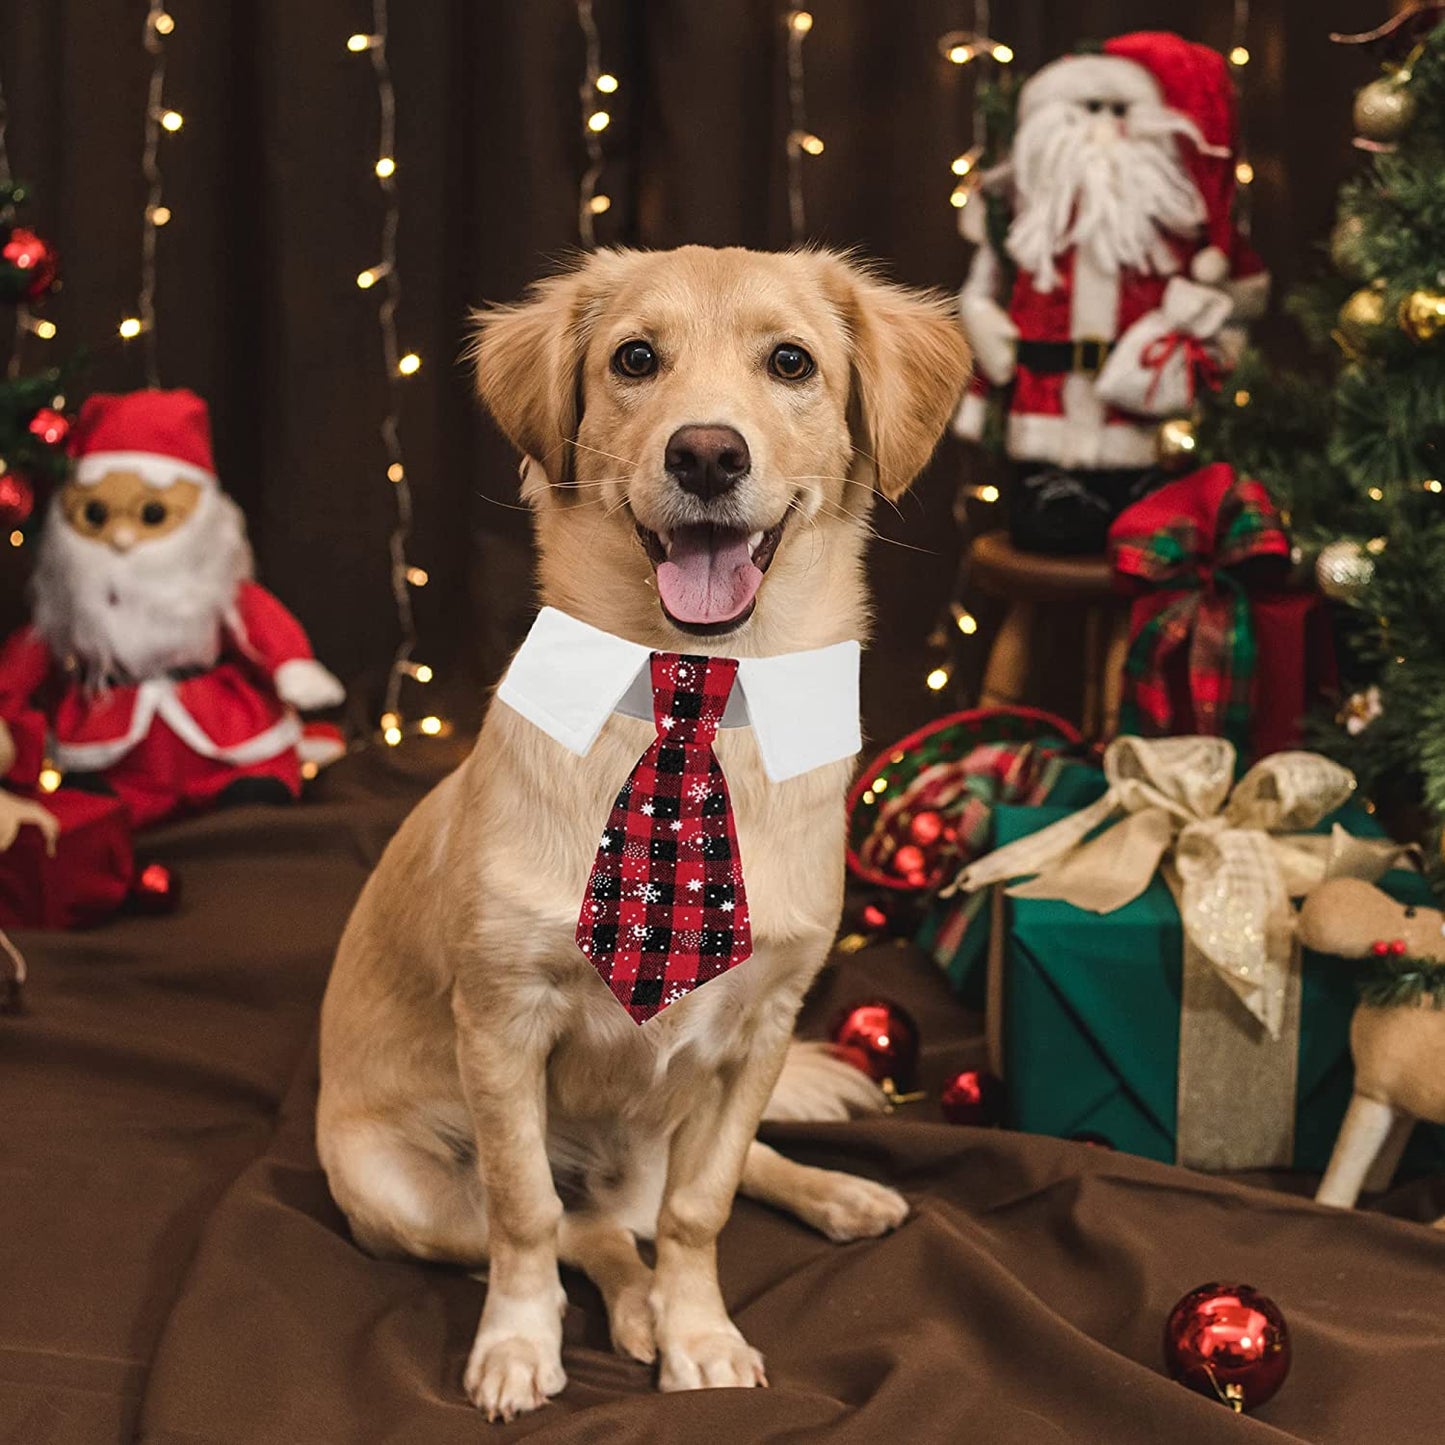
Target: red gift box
[89, 876]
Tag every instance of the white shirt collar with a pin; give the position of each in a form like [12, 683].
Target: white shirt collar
[568, 678]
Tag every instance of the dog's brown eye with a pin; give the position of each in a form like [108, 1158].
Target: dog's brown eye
[791, 363]
[153, 513]
[635, 358]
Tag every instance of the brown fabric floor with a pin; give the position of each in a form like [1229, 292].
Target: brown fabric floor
[172, 1269]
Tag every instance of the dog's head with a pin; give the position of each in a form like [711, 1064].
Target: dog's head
[699, 418]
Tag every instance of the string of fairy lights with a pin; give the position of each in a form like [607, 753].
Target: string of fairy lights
[801, 141]
[26, 322]
[384, 277]
[596, 83]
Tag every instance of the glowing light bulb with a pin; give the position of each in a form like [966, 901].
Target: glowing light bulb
[49, 779]
[1433, 486]
[801, 21]
[599, 120]
[958, 197]
[1004, 54]
[386, 168]
[357, 43]
[967, 622]
[45, 330]
[963, 164]
[417, 576]
[130, 328]
[162, 23]
[988, 492]
[1241, 398]
[409, 364]
[309, 770]
[172, 120]
[389, 720]
[368, 278]
[396, 472]
[17, 538]
[1239, 55]
[599, 205]
[961, 54]
[391, 736]
[937, 680]
[422, 672]
[606, 83]
[805, 140]
[869, 798]
[1375, 494]
[159, 215]
[1244, 173]
[431, 726]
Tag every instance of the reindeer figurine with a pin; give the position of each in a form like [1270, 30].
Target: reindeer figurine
[1397, 1035]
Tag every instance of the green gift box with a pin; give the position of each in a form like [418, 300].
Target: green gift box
[1085, 1013]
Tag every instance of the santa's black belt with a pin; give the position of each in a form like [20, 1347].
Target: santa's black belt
[1061, 358]
[174, 674]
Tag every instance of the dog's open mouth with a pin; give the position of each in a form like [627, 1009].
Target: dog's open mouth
[708, 576]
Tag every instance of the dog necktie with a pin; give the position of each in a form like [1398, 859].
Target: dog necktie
[665, 908]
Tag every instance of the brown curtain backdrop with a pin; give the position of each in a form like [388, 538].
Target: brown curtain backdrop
[276, 210]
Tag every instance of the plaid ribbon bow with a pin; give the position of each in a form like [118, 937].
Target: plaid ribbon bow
[1183, 549]
[665, 909]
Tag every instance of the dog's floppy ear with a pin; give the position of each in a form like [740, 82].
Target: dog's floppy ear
[910, 366]
[529, 361]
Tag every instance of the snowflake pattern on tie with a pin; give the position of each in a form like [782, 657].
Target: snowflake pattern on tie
[665, 909]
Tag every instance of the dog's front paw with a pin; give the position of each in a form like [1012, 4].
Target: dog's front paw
[846, 1207]
[507, 1375]
[717, 1358]
[629, 1317]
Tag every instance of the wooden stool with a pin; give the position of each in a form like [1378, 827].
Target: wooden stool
[1032, 584]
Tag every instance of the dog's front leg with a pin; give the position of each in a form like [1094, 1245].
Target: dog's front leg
[516, 1360]
[697, 1342]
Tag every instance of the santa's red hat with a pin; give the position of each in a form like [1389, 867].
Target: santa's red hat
[1196, 82]
[161, 436]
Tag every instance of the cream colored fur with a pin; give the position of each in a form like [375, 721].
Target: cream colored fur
[476, 1071]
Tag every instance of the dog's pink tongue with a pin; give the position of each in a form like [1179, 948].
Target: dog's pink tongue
[708, 576]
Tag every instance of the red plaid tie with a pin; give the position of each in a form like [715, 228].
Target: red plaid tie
[665, 909]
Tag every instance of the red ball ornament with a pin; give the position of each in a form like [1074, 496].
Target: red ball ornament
[873, 918]
[35, 257]
[1229, 1342]
[51, 426]
[926, 829]
[910, 861]
[17, 500]
[156, 890]
[973, 1097]
[881, 1039]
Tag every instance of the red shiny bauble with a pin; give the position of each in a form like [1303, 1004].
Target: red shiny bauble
[1229, 1342]
[910, 861]
[51, 426]
[881, 1039]
[17, 500]
[34, 256]
[926, 829]
[973, 1097]
[156, 890]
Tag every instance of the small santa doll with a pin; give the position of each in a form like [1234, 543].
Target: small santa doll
[166, 675]
[1123, 285]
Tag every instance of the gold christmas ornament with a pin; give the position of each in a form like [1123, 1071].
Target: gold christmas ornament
[1347, 245]
[1422, 314]
[1177, 443]
[1343, 570]
[1360, 319]
[1384, 110]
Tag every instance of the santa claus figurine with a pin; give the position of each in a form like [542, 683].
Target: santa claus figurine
[1122, 284]
[166, 675]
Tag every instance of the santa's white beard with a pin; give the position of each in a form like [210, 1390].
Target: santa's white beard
[137, 614]
[1113, 199]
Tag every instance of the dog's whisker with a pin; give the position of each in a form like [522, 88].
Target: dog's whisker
[611, 456]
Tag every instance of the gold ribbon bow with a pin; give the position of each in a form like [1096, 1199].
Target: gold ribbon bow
[1233, 859]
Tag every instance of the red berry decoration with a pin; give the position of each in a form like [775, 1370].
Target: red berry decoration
[873, 918]
[35, 258]
[1229, 1342]
[881, 1039]
[17, 500]
[51, 426]
[973, 1097]
[156, 890]
[925, 829]
[910, 861]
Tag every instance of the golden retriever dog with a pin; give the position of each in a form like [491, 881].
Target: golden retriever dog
[483, 1095]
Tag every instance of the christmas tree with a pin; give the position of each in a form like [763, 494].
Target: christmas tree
[1357, 466]
[33, 425]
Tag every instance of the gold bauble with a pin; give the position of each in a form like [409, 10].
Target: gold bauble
[1343, 570]
[1177, 443]
[1360, 319]
[1422, 314]
[1384, 110]
[1347, 245]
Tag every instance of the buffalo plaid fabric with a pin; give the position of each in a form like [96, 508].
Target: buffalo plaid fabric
[665, 909]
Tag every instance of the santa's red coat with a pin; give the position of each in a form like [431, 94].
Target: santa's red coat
[170, 742]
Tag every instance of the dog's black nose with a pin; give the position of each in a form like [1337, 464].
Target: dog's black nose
[707, 460]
